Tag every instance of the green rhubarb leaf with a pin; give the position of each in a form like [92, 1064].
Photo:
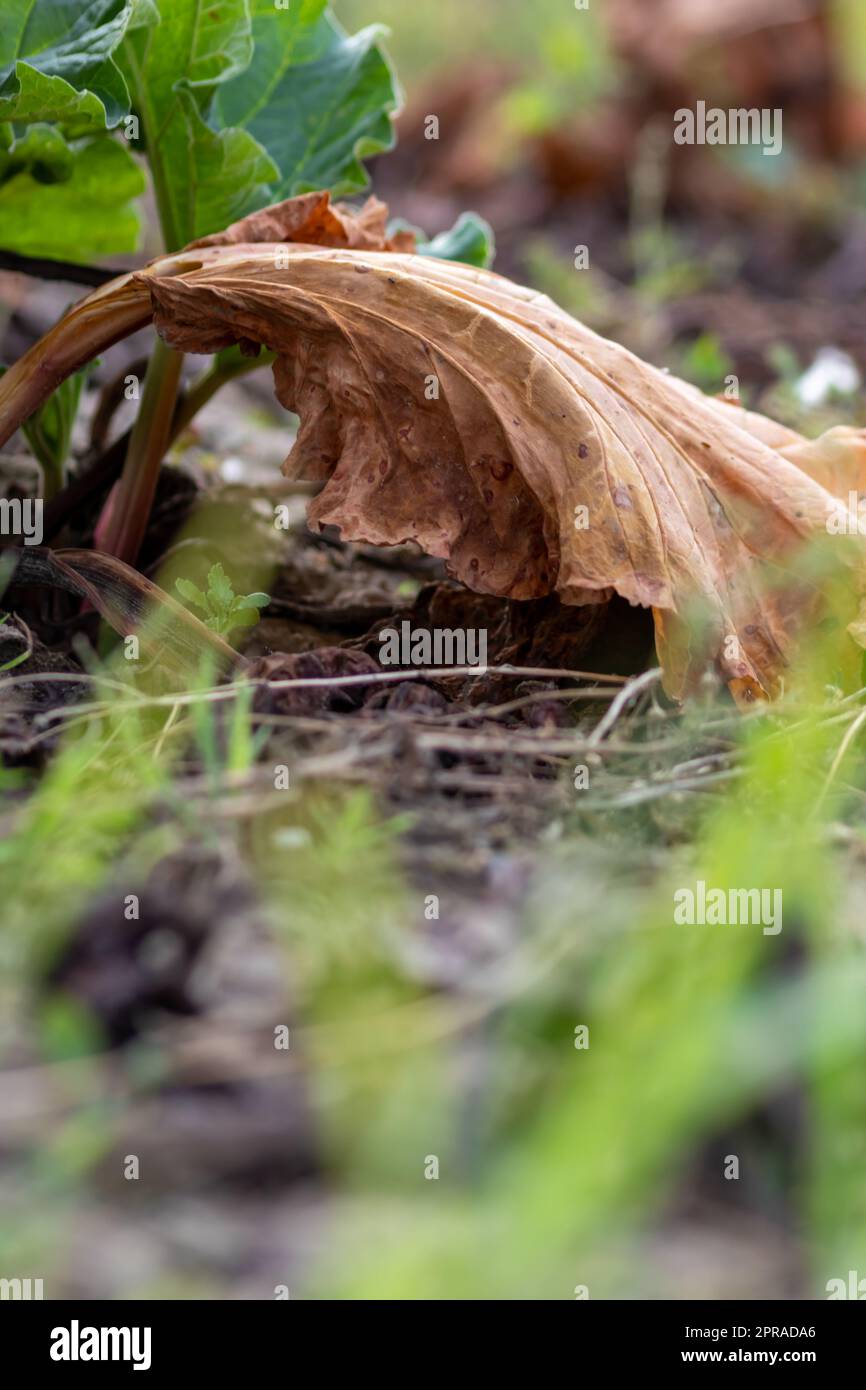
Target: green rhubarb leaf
[203, 177]
[318, 100]
[40, 151]
[228, 173]
[60, 83]
[57, 60]
[90, 213]
[470, 240]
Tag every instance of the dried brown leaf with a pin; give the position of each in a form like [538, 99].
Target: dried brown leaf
[448, 406]
[689, 510]
[313, 219]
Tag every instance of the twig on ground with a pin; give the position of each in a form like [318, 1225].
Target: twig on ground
[624, 698]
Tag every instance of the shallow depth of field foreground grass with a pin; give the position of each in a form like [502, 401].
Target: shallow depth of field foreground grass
[603, 1100]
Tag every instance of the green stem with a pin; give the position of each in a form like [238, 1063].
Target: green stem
[210, 381]
[172, 240]
[53, 478]
[121, 528]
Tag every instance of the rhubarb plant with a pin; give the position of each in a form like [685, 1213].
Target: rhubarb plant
[227, 108]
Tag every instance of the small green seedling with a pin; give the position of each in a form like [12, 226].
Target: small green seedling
[223, 609]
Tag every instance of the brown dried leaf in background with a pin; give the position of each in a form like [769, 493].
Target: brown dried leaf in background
[661, 35]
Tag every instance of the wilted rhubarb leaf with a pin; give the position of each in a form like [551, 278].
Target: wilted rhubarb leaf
[313, 219]
[446, 405]
[317, 99]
